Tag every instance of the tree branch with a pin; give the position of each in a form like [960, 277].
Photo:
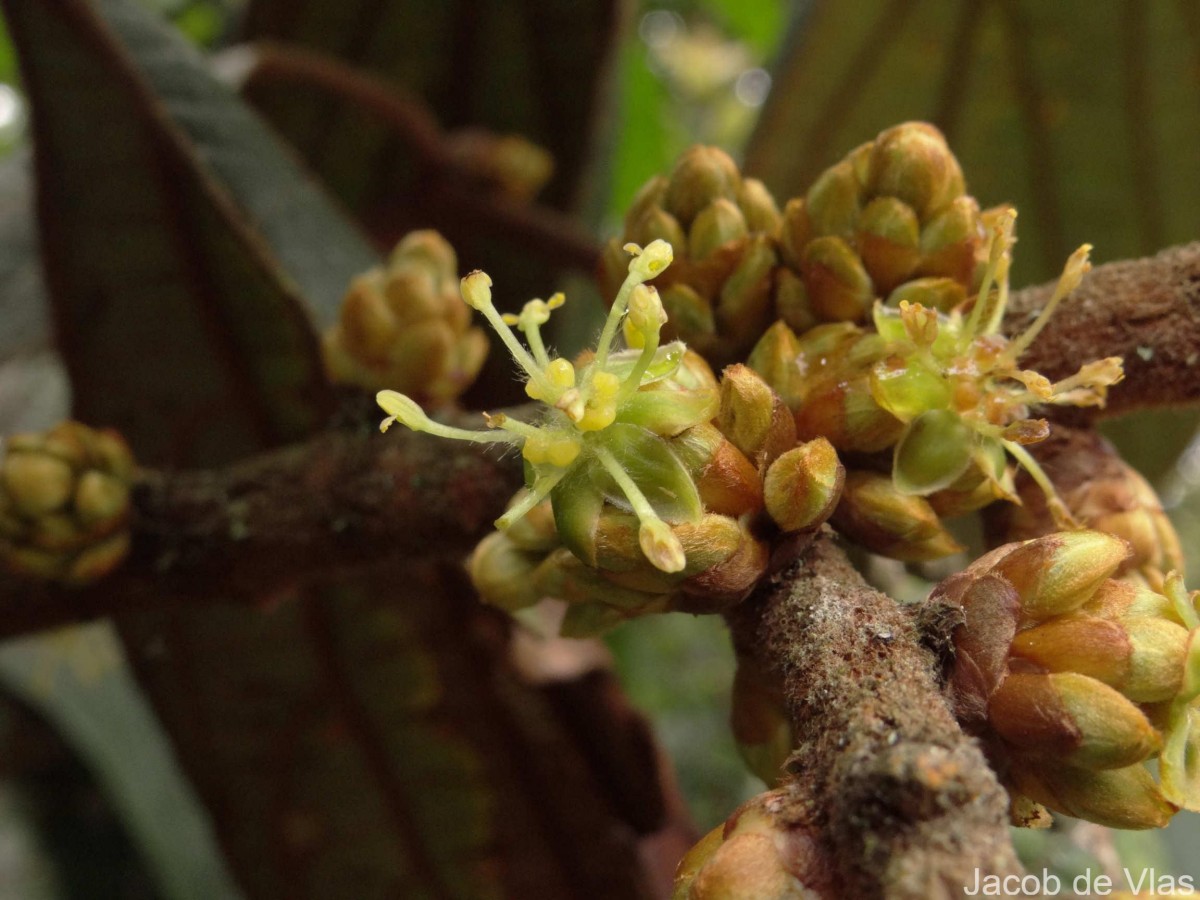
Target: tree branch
[905, 801]
[256, 530]
[1144, 310]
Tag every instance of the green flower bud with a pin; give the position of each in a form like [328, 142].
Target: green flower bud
[803, 486]
[760, 721]
[690, 316]
[405, 325]
[36, 484]
[744, 309]
[889, 239]
[702, 175]
[719, 223]
[1058, 573]
[753, 417]
[65, 504]
[1143, 657]
[791, 301]
[913, 163]
[727, 481]
[1116, 798]
[873, 513]
[759, 207]
[839, 288]
[503, 573]
[951, 241]
[833, 203]
[796, 231]
[655, 224]
[1072, 717]
[756, 855]
[775, 357]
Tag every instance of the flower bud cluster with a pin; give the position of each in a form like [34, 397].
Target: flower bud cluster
[403, 325]
[745, 493]
[64, 503]
[723, 227]
[1101, 491]
[892, 220]
[758, 853]
[1075, 680]
[650, 486]
[939, 392]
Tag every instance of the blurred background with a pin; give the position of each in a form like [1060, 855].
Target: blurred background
[1085, 113]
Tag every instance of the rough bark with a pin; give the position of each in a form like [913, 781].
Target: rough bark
[905, 801]
[1146, 311]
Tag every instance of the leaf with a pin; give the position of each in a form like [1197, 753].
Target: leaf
[102, 713]
[533, 67]
[180, 242]
[369, 740]
[77, 679]
[1084, 115]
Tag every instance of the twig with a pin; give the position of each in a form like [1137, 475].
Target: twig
[905, 801]
[252, 532]
[1145, 310]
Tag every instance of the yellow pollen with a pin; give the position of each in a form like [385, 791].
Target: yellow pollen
[605, 385]
[561, 373]
[598, 417]
[562, 452]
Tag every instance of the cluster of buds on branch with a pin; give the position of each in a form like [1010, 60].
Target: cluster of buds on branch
[1075, 679]
[403, 326]
[942, 393]
[64, 503]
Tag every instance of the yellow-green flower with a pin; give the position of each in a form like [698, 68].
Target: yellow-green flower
[600, 438]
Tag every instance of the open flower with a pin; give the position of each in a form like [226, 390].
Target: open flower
[600, 437]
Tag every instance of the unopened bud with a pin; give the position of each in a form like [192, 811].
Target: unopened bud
[752, 416]
[942, 294]
[803, 486]
[503, 573]
[759, 207]
[716, 225]
[1073, 717]
[702, 175]
[950, 241]
[876, 515]
[775, 357]
[834, 203]
[656, 224]
[727, 481]
[912, 162]
[888, 241]
[1116, 798]
[1058, 573]
[839, 288]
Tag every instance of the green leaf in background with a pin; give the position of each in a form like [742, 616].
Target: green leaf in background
[178, 239]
